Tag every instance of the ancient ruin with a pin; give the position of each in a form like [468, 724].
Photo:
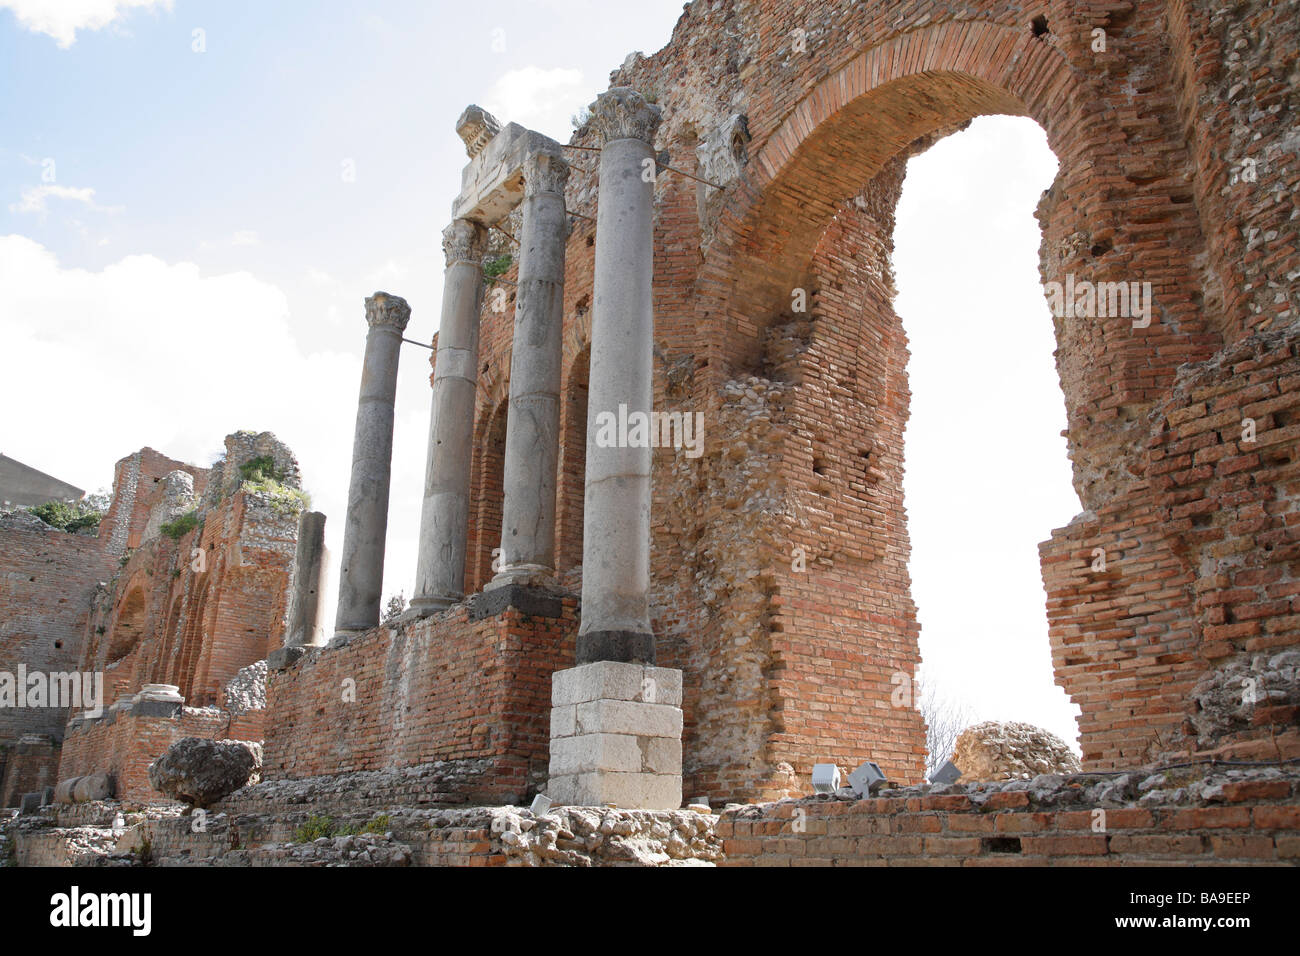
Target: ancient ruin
[663, 551]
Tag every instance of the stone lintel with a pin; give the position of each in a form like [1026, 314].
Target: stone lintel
[493, 183]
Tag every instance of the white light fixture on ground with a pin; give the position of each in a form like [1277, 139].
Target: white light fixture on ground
[541, 804]
[948, 773]
[862, 778]
[825, 777]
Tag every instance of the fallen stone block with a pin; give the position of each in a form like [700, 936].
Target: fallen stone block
[200, 772]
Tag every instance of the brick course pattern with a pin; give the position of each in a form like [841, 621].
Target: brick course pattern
[446, 688]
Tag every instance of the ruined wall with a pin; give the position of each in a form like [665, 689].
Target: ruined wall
[465, 687]
[47, 578]
[124, 745]
[1206, 816]
[1239, 818]
[27, 765]
[779, 557]
[192, 610]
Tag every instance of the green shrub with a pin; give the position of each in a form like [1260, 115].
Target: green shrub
[70, 516]
[498, 265]
[181, 526]
[314, 829]
[261, 468]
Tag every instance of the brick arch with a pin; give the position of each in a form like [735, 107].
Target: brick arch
[130, 623]
[1114, 212]
[844, 132]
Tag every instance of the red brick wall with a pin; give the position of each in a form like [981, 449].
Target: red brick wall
[27, 768]
[1258, 824]
[127, 746]
[47, 579]
[442, 688]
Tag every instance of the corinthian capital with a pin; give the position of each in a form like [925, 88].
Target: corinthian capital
[545, 173]
[463, 241]
[622, 113]
[387, 310]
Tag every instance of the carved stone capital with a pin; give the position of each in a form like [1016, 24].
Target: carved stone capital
[622, 113]
[463, 241]
[384, 310]
[545, 173]
[476, 127]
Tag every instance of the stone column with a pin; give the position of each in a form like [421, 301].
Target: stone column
[532, 427]
[361, 572]
[307, 589]
[444, 518]
[616, 514]
[616, 720]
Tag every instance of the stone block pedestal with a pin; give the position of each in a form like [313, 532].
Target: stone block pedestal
[616, 736]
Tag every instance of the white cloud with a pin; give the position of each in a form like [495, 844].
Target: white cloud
[244, 237]
[147, 352]
[540, 99]
[62, 19]
[34, 198]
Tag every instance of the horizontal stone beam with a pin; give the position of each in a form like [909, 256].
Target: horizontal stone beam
[493, 182]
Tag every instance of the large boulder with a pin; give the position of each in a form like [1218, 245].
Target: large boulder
[995, 750]
[200, 772]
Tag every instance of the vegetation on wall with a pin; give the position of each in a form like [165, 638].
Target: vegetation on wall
[75, 517]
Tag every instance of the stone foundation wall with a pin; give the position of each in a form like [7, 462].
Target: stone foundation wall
[1178, 817]
[448, 688]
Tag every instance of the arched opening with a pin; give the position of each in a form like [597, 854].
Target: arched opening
[798, 255]
[128, 628]
[487, 484]
[987, 474]
[170, 636]
[196, 626]
[573, 464]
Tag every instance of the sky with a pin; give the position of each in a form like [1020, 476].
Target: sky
[196, 198]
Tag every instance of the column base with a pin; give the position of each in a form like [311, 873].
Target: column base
[426, 605]
[526, 575]
[616, 736]
[344, 638]
[631, 647]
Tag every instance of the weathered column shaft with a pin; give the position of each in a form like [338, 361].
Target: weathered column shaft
[532, 427]
[361, 572]
[444, 517]
[307, 590]
[616, 516]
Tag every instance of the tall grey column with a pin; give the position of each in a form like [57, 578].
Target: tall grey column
[308, 586]
[361, 574]
[444, 517]
[616, 513]
[533, 425]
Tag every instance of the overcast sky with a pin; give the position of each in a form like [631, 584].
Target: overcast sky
[182, 254]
